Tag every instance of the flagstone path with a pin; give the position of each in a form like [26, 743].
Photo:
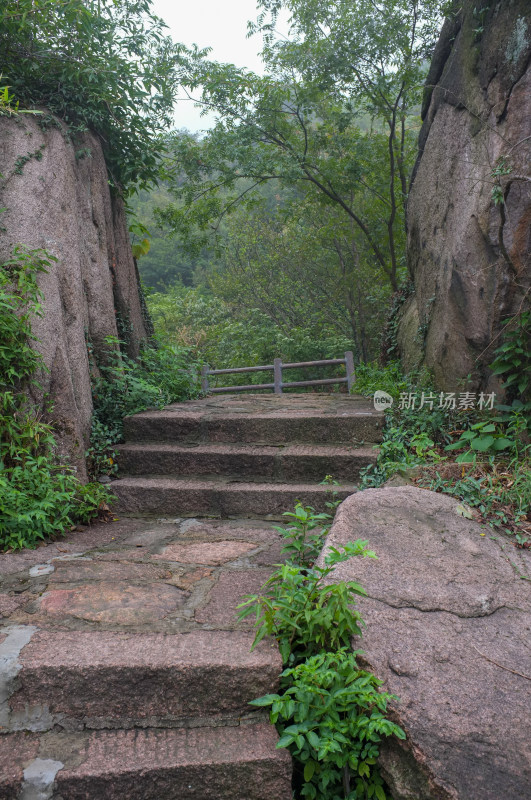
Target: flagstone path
[123, 670]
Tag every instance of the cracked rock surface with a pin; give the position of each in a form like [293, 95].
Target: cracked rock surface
[448, 618]
[469, 257]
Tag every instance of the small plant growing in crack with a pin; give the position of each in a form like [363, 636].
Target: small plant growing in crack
[330, 714]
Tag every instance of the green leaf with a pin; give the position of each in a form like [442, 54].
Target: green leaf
[266, 700]
[465, 458]
[502, 444]
[482, 443]
[313, 739]
[285, 741]
[309, 770]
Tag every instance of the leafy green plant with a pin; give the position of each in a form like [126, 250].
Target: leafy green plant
[305, 535]
[332, 719]
[89, 497]
[412, 436]
[105, 67]
[331, 714]
[302, 611]
[162, 374]
[372, 377]
[140, 239]
[512, 363]
[497, 485]
[9, 105]
[101, 455]
[423, 447]
[38, 497]
[500, 493]
[483, 437]
[501, 169]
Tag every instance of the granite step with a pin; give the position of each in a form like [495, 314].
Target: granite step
[219, 497]
[97, 679]
[269, 419]
[208, 763]
[288, 462]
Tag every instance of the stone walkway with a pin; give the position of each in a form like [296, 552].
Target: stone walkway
[128, 626]
[123, 670]
[245, 456]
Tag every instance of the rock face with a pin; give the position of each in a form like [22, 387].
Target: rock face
[448, 618]
[57, 197]
[469, 258]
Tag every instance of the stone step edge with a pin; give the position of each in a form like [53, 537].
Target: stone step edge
[163, 496]
[147, 764]
[205, 483]
[305, 463]
[264, 429]
[92, 678]
[213, 481]
[292, 449]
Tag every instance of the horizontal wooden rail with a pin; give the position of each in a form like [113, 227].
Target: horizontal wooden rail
[249, 388]
[240, 369]
[277, 368]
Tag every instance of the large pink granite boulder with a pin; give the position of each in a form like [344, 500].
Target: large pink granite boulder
[448, 618]
[470, 259]
[62, 202]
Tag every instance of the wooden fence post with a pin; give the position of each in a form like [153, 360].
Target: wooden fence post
[351, 375]
[277, 371]
[204, 378]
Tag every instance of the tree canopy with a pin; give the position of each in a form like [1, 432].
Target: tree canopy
[335, 112]
[98, 64]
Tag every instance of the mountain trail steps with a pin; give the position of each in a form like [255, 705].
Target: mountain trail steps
[123, 670]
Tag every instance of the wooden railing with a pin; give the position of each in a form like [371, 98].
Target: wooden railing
[277, 386]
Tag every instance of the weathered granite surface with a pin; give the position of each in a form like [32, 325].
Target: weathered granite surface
[448, 618]
[61, 202]
[469, 258]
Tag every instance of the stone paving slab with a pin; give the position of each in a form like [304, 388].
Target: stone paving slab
[206, 552]
[106, 679]
[312, 418]
[157, 585]
[117, 604]
[227, 594]
[157, 764]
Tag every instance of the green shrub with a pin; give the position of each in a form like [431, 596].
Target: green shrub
[372, 377]
[483, 437]
[224, 338]
[330, 714]
[302, 611]
[38, 497]
[105, 67]
[305, 535]
[513, 363]
[491, 445]
[163, 374]
[332, 719]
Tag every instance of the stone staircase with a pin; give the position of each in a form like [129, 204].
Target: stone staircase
[245, 456]
[124, 672]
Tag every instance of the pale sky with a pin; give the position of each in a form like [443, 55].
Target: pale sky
[220, 24]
